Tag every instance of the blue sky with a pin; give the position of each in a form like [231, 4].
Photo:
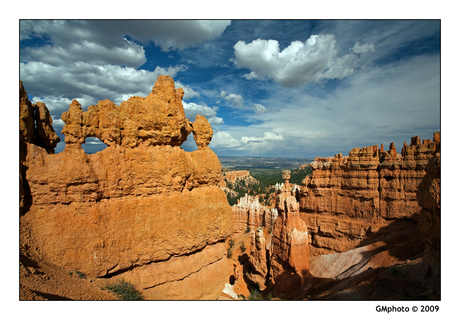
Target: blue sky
[281, 88]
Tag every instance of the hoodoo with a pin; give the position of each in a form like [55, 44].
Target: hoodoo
[143, 209]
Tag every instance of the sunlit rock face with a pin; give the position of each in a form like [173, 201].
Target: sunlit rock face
[352, 201]
[279, 256]
[142, 209]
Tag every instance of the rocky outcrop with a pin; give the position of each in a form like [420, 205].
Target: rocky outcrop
[351, 201]
[290, 256]
[142, 209]
[249, 213]
[279, 256]
[429, 224]
[35, 127]
[234, 176]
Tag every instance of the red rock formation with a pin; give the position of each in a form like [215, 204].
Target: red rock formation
[233, 176]
[347, 202]
[248, 213]
[142, 209]
[290, 254]
[35, 127]
[429, 224]
[279, 256]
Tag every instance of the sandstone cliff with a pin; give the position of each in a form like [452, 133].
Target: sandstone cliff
[352, 201]
[142, 209]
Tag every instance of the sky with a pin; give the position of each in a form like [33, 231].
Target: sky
[272, 88]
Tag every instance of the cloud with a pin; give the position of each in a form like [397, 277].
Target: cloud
[259, 109]
[297, 64]
[223, 139]
[180, 34]
[57, 86]
[167, 34]
[358, 48]
[268, 136]
[127, 53]
[236, 99]
[192, 110]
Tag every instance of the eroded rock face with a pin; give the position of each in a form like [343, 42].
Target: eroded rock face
[35, 127]
[279, 255]
[350, 201]
[429, 224]
[290, 256]
[249, 213]
[142, 209]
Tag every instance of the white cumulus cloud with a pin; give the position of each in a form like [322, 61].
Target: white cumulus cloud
[223, 139]
[236, 99]
[299, 63]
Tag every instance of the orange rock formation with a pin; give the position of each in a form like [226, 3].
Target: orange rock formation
[348, 201]
[279, 257]
[142, 209]
[429, 224]
[233, 176]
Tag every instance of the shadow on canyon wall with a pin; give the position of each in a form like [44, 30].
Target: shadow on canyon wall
[386, 265]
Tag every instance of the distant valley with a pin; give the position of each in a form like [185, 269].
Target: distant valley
[250, 163]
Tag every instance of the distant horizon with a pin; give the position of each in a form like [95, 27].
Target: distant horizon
[101, 146]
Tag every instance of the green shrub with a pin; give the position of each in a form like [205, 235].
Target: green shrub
[248, 230]
[124, 290]
[255, 295]
[243, 248]
[80, 274]
[229, 253]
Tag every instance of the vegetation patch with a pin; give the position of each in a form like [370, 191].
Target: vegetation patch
[265, 185]
[124, 290]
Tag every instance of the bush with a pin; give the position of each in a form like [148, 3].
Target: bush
[124, 290]
[80, 274]
[229, 253]
[255, 295]
[243, 248]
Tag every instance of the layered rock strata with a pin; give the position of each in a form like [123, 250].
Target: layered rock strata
[142, 209]
[290, 256]
[279, 257]
[249, 213]
[429, 223]
[353, 201]
[234, 176]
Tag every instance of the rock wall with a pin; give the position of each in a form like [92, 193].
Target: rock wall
[233, 176]
[248, 213]
[429, 224]
[142, 209]
[351, 201]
